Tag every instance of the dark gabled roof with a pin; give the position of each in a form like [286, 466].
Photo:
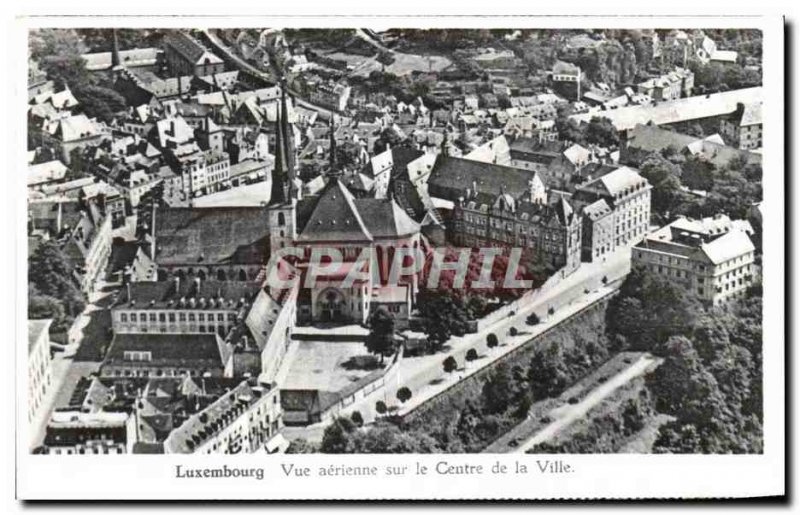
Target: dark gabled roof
[335, 217]
[218, 235]
[452, 176]
[189, 47]
[384, 218]
[163, 294]
[205, 350]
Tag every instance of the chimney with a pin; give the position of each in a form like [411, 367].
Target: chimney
[128, 291]
[177, 284]
[197, 284]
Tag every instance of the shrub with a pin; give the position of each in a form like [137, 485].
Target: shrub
[380, 407]
[357, 418]
[513, 331]
[403, 394]
[532, 319]
[450, 364]
[491, 340]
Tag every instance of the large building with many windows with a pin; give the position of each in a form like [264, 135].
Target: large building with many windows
[39, 363]
[713, 257]
[627, 195]
[182, 306]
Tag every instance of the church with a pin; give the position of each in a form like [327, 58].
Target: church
[356, 227]
[235, 243]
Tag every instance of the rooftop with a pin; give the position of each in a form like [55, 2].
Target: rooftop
[188, 294]
[195, 351]
[215, 235]
[673, 111]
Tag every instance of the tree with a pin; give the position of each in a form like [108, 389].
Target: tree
[301, 446]
[45, 306]
[491, 340]
[698, 173]
[547, 375]
[403, 394]
[649, 309]
[380, 339]
[498, 390]
[472, 355]
[100, 102]
[357, 419]
[336, 438]
[601, 131]
[532, 319]
[450, 364]
[380, 408]
[50, 273]
[665, 177]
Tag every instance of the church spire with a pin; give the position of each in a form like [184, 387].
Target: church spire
[289, 153]
[115, 60]
[333, 170]
[278, 192]
[284, 182]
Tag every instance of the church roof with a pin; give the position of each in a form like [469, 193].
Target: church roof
[385, 218]
[335, 217]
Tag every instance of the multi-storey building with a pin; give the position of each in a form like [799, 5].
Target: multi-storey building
[66, 134]
[96, 432]
[744, 128]
[182, 306]
[39, 361]
[712, 257]
[676, 84]
[333, 96]
[167, 355]
[628, 195]
[552, 231]
[598, 231]
[240, 421]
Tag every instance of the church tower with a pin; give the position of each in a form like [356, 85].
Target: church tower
[286, 187]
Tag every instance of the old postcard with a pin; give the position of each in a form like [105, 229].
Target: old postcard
[426, 258]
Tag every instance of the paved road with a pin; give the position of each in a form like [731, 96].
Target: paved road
[566, 414]
[425, 376]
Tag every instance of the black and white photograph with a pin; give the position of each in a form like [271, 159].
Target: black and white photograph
[288, 242]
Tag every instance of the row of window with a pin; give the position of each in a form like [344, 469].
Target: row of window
[181, 316]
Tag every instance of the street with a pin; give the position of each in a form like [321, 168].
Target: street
[424, 375]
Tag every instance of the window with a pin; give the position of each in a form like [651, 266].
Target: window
[123, 318]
